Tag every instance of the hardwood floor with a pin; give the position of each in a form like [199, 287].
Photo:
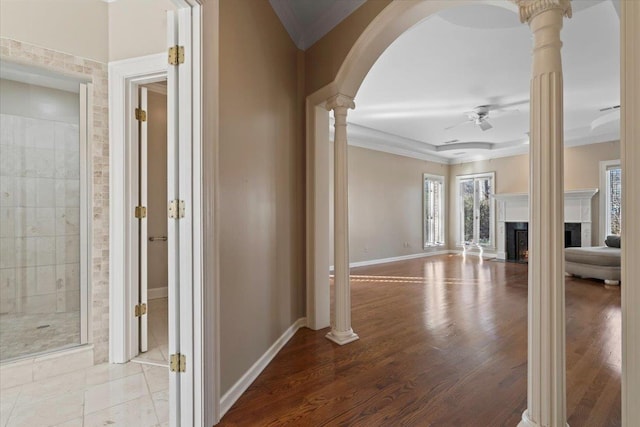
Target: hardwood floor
[442, 343]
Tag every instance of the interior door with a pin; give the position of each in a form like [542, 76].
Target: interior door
[141, 214]
[180, 224]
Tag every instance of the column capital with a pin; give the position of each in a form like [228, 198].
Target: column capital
[531, 8]
[340, 100]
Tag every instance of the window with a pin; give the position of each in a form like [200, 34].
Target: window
[475, 206]
[611, 200]
[433, 210]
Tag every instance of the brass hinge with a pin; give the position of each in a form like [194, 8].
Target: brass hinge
[176, 209]
[178, 363]
[141, 212]
[140, 310]
[176, 55]
[141, 115]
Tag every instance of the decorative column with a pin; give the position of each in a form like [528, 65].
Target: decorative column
[341, 332]
[630, 158]
[546, 391]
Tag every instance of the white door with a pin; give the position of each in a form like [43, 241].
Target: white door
[180, 223]
[141, 214]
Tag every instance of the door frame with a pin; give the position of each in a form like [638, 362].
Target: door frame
[204, 301]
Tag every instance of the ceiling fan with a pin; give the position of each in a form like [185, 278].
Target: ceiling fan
[480, 116]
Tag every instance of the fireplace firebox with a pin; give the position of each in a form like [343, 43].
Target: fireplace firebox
[517, 239]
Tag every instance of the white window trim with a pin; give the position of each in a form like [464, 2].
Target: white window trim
[492, 207]
[604, 197]
[443, 220]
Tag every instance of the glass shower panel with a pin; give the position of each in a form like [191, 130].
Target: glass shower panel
[40, 183]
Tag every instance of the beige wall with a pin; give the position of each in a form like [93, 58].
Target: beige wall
[157, 189]
[512, 176]
[41, 23]
[262, 181]
[137, 28]
[385, 204]
[324, 58]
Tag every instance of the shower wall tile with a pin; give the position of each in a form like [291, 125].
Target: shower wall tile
[63, 138]
[45, 193]
[12, 160]
[8, 256]
[39, 163]
[46, 279]
[46, 251]
[7, 284]
[7, 191]
[67, 137]
[67, 249]
[36, 304]
[68, 277]
[6, 129]
[25, 192]
[26, 281]
[7, 222]
[38, 133]
[67, 221]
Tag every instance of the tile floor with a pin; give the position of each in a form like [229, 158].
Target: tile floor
[157, 352]
[127, 395]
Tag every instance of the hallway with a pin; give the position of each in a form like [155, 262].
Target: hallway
[442, 342]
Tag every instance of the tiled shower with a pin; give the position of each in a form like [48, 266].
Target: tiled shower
[40, 219]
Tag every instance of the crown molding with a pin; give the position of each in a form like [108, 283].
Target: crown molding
[372, 139]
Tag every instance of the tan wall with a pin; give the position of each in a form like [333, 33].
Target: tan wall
[157, 189]
[137, 28]
[385, 204]
[324, 58]
[261, 176]
[41, 23]
[512, 176]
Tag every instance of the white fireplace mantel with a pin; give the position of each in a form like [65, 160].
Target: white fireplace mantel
[515, 208]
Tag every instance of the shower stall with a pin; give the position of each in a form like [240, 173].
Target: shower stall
[44, 219]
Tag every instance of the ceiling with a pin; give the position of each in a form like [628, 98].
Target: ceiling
[307, 21]
[479, 55]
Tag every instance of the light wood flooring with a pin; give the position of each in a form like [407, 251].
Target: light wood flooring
[443, 342]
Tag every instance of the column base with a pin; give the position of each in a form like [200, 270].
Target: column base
[342, 337]
[528, 422]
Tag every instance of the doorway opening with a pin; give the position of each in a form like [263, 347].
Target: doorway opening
[152, 254]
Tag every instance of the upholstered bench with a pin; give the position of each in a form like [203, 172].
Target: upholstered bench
[600, 262]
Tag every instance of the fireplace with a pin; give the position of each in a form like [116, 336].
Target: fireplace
[517, 236]
[572, 235]
[517, 241]
[512, 213]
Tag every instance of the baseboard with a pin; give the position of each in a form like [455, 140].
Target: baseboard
[231, 396]
[394, 259]
[155, 293]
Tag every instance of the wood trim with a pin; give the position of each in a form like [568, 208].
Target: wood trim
[234, 393]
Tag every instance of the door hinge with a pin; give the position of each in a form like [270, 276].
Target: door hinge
[176, 209]
[141, 212]
[176, 55]
[141, 115]
[140, 310]
[178, 363]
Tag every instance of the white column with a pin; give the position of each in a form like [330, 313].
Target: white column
[546, 391]
[630, 157]
[341, 332]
